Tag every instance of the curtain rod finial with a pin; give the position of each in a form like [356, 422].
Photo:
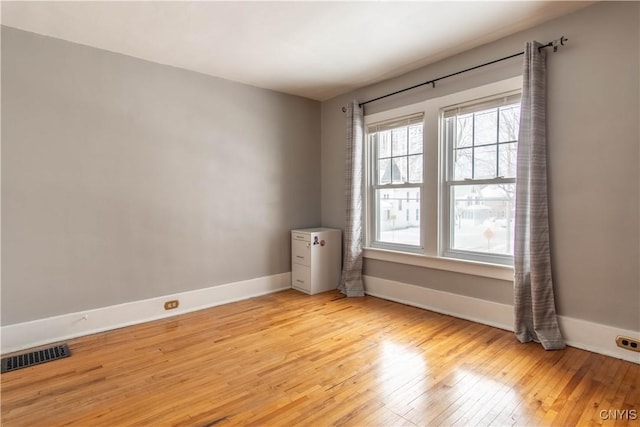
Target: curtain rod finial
[344, 109]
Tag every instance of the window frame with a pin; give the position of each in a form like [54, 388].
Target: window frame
[372, 185]
[432, 254]
[448, 181]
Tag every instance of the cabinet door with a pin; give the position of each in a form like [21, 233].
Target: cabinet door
[301, 252]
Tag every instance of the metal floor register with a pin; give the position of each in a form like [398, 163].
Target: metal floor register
[20, 361]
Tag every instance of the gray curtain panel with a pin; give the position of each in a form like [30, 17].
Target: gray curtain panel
[351, 280]
[535, 314]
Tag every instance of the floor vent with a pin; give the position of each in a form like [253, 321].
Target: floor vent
[35, 357]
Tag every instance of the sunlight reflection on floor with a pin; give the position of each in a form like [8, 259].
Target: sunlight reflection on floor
[464, 397]
[403, 374]
[399, 365]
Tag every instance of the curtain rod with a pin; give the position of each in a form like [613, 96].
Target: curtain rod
[555, 43]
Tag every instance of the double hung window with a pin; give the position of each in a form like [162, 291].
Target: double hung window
[396, 165]
[479, 188]
[441, 180]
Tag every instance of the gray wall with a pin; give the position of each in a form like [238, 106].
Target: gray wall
[124, 179]
[593, 136]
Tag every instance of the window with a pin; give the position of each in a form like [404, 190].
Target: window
[395, 151]
[479, 187]
[441, 181]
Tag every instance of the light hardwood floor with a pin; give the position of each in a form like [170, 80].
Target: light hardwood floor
[289, 359]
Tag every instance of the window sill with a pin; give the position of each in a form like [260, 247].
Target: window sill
[474, 268]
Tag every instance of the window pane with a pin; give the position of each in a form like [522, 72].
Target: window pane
[482, 146]
[384, 144]
[485, 162]
[464, 131]
[392, 223]
[415, 168]
[384, 171]
[399, 170]
[486, 127]
[399, 142]
[509, 123]
[508, 157]
[462, 164]
[482, 218]
[415, 139]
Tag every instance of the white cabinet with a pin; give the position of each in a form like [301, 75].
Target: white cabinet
[316, 259]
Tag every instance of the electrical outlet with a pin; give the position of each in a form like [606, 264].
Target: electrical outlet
[628, 343]
[170, 305]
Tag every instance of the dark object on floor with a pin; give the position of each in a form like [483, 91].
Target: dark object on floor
[35, 357]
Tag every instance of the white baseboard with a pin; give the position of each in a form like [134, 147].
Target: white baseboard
[578, 333]
[597, 338]
[53, 329]
[474, 309]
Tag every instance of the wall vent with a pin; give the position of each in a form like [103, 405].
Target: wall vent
[24, 360]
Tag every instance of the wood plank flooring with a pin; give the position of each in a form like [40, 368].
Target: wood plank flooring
[289, 359]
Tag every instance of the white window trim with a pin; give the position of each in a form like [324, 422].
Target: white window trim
[431, 213]
[369, 199]
[474, 268]
[448, 184]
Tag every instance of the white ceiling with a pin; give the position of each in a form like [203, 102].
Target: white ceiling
[313, 49]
